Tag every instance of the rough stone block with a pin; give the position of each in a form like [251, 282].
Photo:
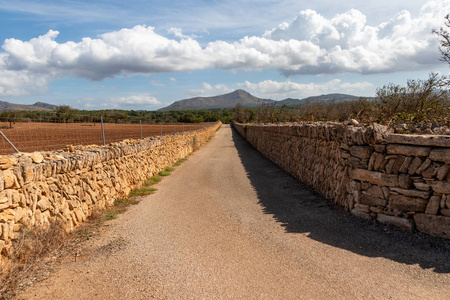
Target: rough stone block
[397, 164]
[377, 178]
[407, 204]
[433, 225]
[445, 212]
[442, 202]
[423, 166]
[362, 207]
[396, 221]
[433, 205]
[422, 186]
[431, 171]
[443, 171]
[375, 191]
[404, 167]
[412, 193]
[361, 151]
[381, 132]
[380, 148]
[361, 214]
[378, 162]
[357, 196]
[422, 140]
[373, 201]
[408, 150]
[405, 181]
[415, 164]
[441, 187]
[372, 160]
[389, 166]
[442, 155]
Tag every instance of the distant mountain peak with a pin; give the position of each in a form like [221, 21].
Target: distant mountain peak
[246, 99]
[7, 106]
[229, 100]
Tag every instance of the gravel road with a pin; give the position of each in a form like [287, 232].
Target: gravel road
[229, 224]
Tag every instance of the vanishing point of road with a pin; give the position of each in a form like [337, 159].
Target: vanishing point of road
[229, 224]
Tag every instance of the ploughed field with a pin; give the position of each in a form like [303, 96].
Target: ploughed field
[30, 137]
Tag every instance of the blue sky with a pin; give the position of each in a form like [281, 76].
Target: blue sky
[140, 54]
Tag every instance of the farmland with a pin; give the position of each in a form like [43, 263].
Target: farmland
[34, 136]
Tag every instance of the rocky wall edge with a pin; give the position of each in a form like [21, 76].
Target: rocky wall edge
[403, 180]
[37, 189]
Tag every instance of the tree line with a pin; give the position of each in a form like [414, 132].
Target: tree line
[66, 114]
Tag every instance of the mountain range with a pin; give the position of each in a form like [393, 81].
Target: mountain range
[7, 106]
[246, 99]
[229, 100]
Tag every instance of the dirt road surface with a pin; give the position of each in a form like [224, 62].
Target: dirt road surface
[229, 224]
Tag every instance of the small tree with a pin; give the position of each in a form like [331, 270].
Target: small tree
[64, 113]
[420, 101]
[444, 40]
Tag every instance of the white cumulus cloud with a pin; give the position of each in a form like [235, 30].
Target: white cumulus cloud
[279, 90]
[310, 44]
[138, 101]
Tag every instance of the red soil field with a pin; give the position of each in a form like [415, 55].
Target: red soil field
[30, 137]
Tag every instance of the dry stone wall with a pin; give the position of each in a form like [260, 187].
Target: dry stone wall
[403, 180]
[37, 189]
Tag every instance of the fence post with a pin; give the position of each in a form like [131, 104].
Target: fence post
[183, 127]
[174, 128]
[140, 127]
[160, 124]
[103, 131]
[4, 136]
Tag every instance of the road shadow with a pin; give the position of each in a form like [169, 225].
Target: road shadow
[302, 210]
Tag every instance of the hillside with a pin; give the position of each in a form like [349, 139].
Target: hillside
[321, 98]
[7, 106]
[248, 100]
[222, 101]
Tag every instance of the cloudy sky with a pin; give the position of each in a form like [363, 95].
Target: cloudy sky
[146, 54]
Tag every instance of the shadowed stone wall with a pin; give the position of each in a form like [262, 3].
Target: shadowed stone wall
[403, 180]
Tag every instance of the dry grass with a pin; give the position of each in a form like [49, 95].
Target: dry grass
[34, 253]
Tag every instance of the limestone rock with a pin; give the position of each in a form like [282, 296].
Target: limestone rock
[404, 167]
[405, 182]
[407, 204]
[362, 207]
[422, 186]
[361, 214]
[380, 132]
[408, 150]
[361, 151]
[441, 187]
[372, 201]
[412, 193]
[433, 225]
[377, 178]
[375, 191]
[415, 164]
[44, 204]
[433, 205]
[442, 172]
[442, 155]
[353, 122]
[396, 221]
[423, 166]
[431, 171]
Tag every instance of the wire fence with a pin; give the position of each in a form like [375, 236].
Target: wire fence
[30, 136]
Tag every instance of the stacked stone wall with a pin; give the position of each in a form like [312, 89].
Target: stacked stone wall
[403, 180]
[37, 189]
